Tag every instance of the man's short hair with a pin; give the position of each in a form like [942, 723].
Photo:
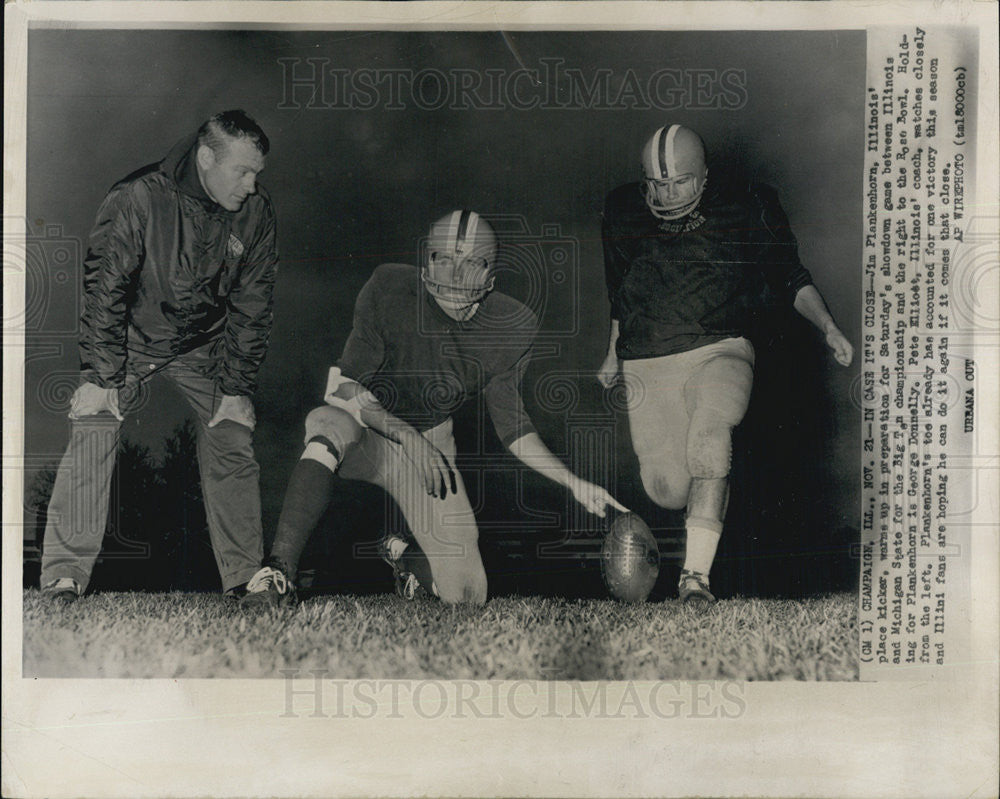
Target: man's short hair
[236, 124]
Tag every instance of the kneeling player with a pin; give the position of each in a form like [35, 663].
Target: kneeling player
[688, 271]
[423, 342]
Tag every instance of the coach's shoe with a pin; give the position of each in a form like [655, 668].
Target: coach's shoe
[62, 589]
[693, 588]
[269, 587]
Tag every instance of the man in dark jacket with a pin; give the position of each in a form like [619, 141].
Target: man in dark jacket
[178, 281]
[690, 272]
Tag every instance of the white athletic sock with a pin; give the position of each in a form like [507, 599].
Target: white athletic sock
[396, 546]
[702, 540]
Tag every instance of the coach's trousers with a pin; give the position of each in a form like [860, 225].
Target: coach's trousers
[230, 479]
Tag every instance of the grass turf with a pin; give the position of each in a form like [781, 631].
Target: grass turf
[199, 635]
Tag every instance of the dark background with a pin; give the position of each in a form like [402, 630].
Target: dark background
[355, 188]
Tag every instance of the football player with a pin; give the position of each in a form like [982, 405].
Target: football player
[690, 265]
[424, 341]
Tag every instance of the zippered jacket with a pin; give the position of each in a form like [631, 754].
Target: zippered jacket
[169, 271]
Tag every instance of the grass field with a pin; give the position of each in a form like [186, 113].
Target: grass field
[201, 635]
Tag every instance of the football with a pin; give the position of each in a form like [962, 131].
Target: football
[630, 559]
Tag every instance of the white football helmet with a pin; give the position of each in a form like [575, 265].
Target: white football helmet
[673, 164]
[459, 256]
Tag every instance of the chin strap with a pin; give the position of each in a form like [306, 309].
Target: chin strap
[662, 212]
[478, 291]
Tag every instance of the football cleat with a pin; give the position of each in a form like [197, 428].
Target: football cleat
[269, 587]
[237, 592]
[693, 588]
[62, 589]
[407, 585]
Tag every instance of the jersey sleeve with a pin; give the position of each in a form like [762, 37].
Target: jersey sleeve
[365, 349]
[504, 402]
[783, 270]
[616, 259]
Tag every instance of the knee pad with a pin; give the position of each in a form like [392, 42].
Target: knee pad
[332, 426]
[717, 400]
[667, 489]
[710, 445]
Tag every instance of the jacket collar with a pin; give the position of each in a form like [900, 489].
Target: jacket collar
[182, 168]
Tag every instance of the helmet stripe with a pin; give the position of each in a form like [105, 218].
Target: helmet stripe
[655, 167]
[467, 225]
[451, 233]
[667, 161]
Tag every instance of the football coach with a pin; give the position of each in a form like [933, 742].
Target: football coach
[178, 282]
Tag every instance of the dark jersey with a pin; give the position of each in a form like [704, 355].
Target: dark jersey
[422, 365]
[681, 284]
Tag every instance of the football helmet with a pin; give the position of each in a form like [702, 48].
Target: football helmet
[458, 258]
[673, 165]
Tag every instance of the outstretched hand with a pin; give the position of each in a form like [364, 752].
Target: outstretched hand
[841, 348]
[432, 466]
[594, 498]
[235, 409]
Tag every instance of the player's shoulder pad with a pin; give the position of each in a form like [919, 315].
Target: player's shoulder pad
[764, 192]
[765, 198]
[626, 208]
[517, 316]
[396, 273]
[390, 278]
[624, 199]
[767, 207]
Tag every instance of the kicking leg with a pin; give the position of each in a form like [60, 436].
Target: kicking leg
[658, 423]
[717, 396]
